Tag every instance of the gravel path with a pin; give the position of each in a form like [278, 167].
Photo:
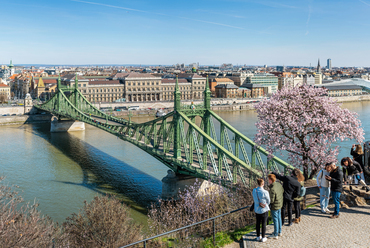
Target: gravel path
[351, 229]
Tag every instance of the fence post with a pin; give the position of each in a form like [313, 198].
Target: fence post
[214, 232]
[144, 244]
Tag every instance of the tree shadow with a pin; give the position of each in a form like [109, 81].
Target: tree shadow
[102, 172]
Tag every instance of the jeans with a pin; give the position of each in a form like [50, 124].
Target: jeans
[297, 209]
[276, 217]
[324, 197]
[357, 178]
[287, 205]
[261, 218]
[336, 199]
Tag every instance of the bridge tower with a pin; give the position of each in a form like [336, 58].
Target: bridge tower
[206, 120]
[59, 86]
[176, 119]
[76, 91]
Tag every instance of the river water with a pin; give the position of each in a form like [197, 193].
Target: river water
[61, 170]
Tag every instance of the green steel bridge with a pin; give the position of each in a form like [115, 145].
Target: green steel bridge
[185, 140]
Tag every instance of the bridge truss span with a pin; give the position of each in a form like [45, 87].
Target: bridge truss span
[191, 140]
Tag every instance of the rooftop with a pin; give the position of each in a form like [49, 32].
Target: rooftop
[226, 86]
[104, 82]
[342, 87]
[173, 80]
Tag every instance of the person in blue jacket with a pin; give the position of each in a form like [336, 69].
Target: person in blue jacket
[261, 199]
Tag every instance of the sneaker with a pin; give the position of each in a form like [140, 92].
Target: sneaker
[334, 216]
[259, 238]
[280, 234]
[290, 224]
[324, 211]
[274, 237]
[328, 211]
[264, 239]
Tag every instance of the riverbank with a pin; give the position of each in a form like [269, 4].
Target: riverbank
[17, 116]
[24, 119]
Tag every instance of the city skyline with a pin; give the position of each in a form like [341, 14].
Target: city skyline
[164, 32]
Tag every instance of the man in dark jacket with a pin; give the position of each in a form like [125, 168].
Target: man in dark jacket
[276, 202]
[335, 177]
[291, 190]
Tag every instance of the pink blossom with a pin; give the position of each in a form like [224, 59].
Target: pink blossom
[305, 122]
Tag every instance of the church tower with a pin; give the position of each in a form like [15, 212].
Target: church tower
[11, 68]
[318, 75]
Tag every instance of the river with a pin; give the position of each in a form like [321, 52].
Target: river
[61, 170]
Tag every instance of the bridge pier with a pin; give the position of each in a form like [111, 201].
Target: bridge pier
[58, 126]
[174, 183]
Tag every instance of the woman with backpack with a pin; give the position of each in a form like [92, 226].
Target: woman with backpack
[298, 199]
[324, 186]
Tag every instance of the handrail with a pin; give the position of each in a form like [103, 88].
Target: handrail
[185, 227]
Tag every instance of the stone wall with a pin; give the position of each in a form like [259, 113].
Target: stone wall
[9, 120]
[19, 110]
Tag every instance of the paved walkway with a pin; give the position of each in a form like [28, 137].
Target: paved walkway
[350, 230]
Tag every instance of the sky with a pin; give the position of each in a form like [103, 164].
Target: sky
[164, 32]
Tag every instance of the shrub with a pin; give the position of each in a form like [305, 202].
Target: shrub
[192, 207]
[22, 224]
[104, 222]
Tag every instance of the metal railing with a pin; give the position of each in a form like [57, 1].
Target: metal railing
[312, 201]
[144, 241]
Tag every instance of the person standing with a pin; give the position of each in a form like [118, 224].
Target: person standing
[291, 190]
[324, 186]
[298, 199]
[261, 200]
[352, 168]
[335, 177]
[276, 198]
[358, 154]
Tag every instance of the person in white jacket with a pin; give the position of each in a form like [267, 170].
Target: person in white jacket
[324, 186]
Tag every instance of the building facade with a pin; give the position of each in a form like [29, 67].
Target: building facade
[168, 88]
[267, 80]
[140, 87]
[226, 91]
[343, 90]
[257, 90]
[328, 66]
[4, 92]
[96, 90]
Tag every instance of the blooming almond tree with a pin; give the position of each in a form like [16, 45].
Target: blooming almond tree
[305, 122]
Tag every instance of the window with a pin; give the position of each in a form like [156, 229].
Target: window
[84, 85]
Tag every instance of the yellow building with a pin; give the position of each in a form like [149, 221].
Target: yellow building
[4, 92]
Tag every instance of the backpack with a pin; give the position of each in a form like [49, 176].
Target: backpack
[302, 192]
